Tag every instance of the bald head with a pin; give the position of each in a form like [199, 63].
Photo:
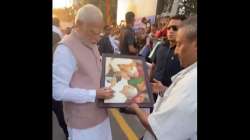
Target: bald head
[88, 13]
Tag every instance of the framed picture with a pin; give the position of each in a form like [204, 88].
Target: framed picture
[128, 78]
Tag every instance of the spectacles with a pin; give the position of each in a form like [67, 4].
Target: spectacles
[175, 28]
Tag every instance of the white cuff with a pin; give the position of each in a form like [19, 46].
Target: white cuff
[92, 95]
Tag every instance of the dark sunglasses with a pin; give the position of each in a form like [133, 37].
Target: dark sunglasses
[175, 28]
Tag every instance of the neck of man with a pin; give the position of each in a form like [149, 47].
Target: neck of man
[191, 61]
[129, 25]
[106, 34]
[172, 44]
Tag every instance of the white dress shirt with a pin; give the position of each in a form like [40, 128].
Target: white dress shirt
[64, 65]
[175, 114]
[114, 44]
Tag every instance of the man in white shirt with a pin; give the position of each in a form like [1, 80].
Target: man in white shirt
[57, 106]
[175, 113]
[57, 34]
[76, 78]
[56, 27]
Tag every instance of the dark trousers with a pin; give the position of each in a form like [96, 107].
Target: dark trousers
[57, 107]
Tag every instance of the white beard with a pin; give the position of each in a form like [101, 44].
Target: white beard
[88, 43]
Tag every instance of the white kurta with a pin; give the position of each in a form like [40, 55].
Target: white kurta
[64, 65]
[175, 114]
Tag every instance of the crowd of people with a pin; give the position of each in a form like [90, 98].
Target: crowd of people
[169, 47]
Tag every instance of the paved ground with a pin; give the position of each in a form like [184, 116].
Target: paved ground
[57, 133]
[117, 133]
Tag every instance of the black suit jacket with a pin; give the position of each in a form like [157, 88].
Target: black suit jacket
[105, 45]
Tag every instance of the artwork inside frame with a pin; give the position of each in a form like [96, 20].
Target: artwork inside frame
[128, 78]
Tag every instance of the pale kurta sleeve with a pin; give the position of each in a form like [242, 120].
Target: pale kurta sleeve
[64, 65]
[177, 117]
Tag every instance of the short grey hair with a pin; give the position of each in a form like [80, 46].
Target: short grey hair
[190, 27]
[88, 12]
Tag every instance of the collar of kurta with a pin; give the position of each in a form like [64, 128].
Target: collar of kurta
[184, 71]
[179, 76]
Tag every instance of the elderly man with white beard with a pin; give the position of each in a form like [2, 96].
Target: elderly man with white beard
[76, 78]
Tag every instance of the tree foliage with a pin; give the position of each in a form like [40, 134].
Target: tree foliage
[71, 11]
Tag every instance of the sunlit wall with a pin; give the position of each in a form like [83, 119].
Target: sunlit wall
[141, 8]
[62, 3]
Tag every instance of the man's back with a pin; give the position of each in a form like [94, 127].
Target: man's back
[105, 45]
[127, 38]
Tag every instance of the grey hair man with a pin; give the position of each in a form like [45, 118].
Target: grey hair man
[76, 78]
[175, 113]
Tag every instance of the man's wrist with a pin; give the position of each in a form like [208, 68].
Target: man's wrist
[137, 110]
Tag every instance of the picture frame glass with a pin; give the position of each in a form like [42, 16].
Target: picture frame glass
[127, 76]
